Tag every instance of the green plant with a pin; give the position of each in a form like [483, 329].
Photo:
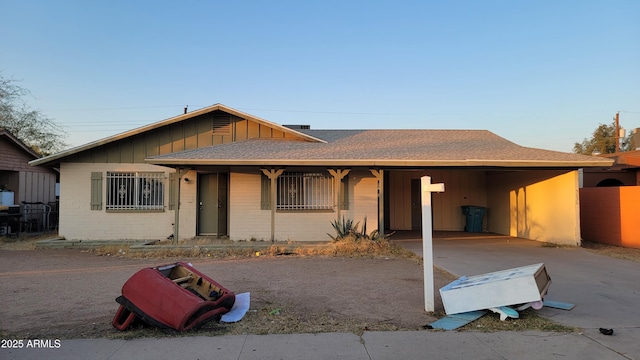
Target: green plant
[347, 229]
[275, 311]
[377, 236]
[343, 228]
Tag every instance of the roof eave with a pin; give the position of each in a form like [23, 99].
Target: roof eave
[382, 163]
[19, 143]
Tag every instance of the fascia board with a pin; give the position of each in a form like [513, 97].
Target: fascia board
[389, 163]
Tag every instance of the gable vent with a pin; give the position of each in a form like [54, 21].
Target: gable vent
[298, 127]
[221, 124]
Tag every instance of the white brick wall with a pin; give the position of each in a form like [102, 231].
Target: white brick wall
[188, 205]
[247, 221]
[363, 199]
[79, 222]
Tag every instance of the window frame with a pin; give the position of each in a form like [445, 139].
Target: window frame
[304, 191]
[135, 191]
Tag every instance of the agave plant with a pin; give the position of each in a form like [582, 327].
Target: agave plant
[375, 235]
[346, 228]
[343, 228]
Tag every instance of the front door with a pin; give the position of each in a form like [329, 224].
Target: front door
[212, 204]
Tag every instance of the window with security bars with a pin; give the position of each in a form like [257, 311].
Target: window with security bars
[135, 191]
[304, 191]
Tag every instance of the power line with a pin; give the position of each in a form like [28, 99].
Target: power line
[302, 111]
[116, 108]
[326, 112]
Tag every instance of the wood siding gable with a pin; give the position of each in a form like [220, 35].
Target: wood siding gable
[214, 128]
[29, 183]
[15, 158]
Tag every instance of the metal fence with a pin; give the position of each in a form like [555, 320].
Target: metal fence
[39, 217]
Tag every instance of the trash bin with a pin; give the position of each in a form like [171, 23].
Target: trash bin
[474, 216]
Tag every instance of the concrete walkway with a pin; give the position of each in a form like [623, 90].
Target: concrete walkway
[605, 290]
[371, 345]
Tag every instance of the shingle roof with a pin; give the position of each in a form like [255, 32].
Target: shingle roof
[382, 148]
[627, 159]
[352, 148]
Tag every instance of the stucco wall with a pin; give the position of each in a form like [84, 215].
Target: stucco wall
[79, 222]
[247, 221]
[536, 205]
[610, 215]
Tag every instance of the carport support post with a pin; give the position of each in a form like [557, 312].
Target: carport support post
[427, 240]
[338, 175]
[176, 222]
[379, 174]
[273, 174]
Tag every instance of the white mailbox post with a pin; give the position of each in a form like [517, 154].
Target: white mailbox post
[427, 240]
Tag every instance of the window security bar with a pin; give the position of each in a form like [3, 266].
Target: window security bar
[135, 191]
[305, 191]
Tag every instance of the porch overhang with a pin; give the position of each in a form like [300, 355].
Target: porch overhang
[479, 163]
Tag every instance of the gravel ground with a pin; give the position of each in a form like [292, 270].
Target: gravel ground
[71, 293]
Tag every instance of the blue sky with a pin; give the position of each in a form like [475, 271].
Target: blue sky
[542, 74]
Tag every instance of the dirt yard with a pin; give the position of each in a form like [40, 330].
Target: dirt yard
[71, 293]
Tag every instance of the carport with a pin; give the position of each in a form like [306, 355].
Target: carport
[537, 203]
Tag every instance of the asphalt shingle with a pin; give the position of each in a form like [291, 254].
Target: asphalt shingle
[379, 145]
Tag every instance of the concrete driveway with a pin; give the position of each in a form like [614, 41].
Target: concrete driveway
[605, 290]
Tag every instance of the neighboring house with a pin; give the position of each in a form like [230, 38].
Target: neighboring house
[35, 186]
[610, 201]
[219, 171]
[625, 171]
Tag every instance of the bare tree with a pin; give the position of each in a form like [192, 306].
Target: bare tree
[34, 128]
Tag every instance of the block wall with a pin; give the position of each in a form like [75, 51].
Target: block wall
[247, 221]
[79, 222]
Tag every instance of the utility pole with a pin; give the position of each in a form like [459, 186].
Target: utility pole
[617, 118]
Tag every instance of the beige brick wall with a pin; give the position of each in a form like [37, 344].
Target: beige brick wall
[188, 205]
[247, 221]
[79, 222]
[363, 199]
